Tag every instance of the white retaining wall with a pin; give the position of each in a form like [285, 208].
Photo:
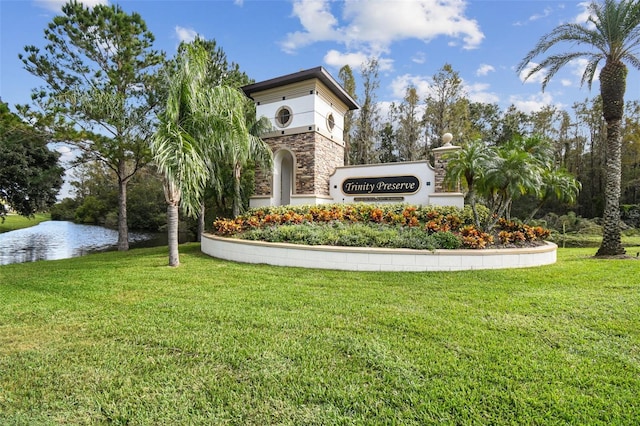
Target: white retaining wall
[374, 259]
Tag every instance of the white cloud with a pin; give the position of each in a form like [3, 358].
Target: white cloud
[377, 24]
[479, 92]
[535, 78]
[419, 58]
[400, 84]
[355, 60]
[383, 110]
[186, 34]
[583, 16]
[566, 82]
[385, 22]
[238, 2]
[67, 152]
[578, 66]
[476, 92]
[546, 12]
[339, 59]
[385, 64]
[318, 23]
[56, 5]
[533, 103]
[484, 70]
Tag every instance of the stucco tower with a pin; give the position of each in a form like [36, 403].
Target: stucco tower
[306, 110]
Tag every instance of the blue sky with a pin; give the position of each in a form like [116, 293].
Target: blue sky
[483, 40]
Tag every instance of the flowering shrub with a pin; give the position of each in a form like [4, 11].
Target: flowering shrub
[227, 227]
[512, 232]
[473, 238]
[369, 225]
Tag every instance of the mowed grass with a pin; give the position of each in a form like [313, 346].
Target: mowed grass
[630, 241]
[13, 221]
[120, 338]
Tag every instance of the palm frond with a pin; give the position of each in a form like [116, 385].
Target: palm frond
[202, 131]
[590, 71]
[613, 37]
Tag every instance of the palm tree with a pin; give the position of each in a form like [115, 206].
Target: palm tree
[470, 163]
[514, 172]
[559, 184]
[196, 129]
[540, 149]
[253, 149]
[612, 35]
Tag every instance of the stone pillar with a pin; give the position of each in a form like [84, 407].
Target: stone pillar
[315, 159]
[440, 164]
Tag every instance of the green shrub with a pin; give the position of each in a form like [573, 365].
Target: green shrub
[92, 211]
[64, 210]
[630, 214]
[354, 235]
[111, 220]
[570, 223]
[415, 238]
[307, 233]
[447, 240]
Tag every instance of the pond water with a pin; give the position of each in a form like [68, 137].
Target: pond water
[61, 240]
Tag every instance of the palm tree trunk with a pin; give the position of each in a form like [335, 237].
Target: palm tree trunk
[172, 229]
[471, 195]
[611, 241]
[172, 196]
[499, 211]
[613, 78]
[535, 210]
[237, 196]
[200, 222]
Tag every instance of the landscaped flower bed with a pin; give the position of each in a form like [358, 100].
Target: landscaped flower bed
[385, 226]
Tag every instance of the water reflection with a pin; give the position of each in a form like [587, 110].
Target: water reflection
[61, 240]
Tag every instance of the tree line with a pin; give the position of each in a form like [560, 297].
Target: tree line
[574, 140]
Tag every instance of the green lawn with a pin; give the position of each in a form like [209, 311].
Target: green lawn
[120, 338]
[630, 240]
[14, 221]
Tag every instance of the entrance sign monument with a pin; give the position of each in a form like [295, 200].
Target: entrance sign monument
[306, 110]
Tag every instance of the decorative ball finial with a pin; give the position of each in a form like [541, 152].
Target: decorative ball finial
[447, 138]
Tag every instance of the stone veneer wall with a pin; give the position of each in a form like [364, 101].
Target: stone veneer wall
[440, 167]
[316, 158]
[263, 181]
[329, 155]
[303, 145]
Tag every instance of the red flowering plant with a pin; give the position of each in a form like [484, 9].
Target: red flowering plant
[432, 220]
[515, 233]
[473, 238]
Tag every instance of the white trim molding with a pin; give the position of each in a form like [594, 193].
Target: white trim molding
[375, 259]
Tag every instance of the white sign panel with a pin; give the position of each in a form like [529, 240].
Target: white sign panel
[410, 182]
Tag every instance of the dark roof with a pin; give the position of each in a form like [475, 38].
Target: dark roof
[318, 72]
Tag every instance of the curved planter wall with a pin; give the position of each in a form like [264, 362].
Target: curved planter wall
[374, 259]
